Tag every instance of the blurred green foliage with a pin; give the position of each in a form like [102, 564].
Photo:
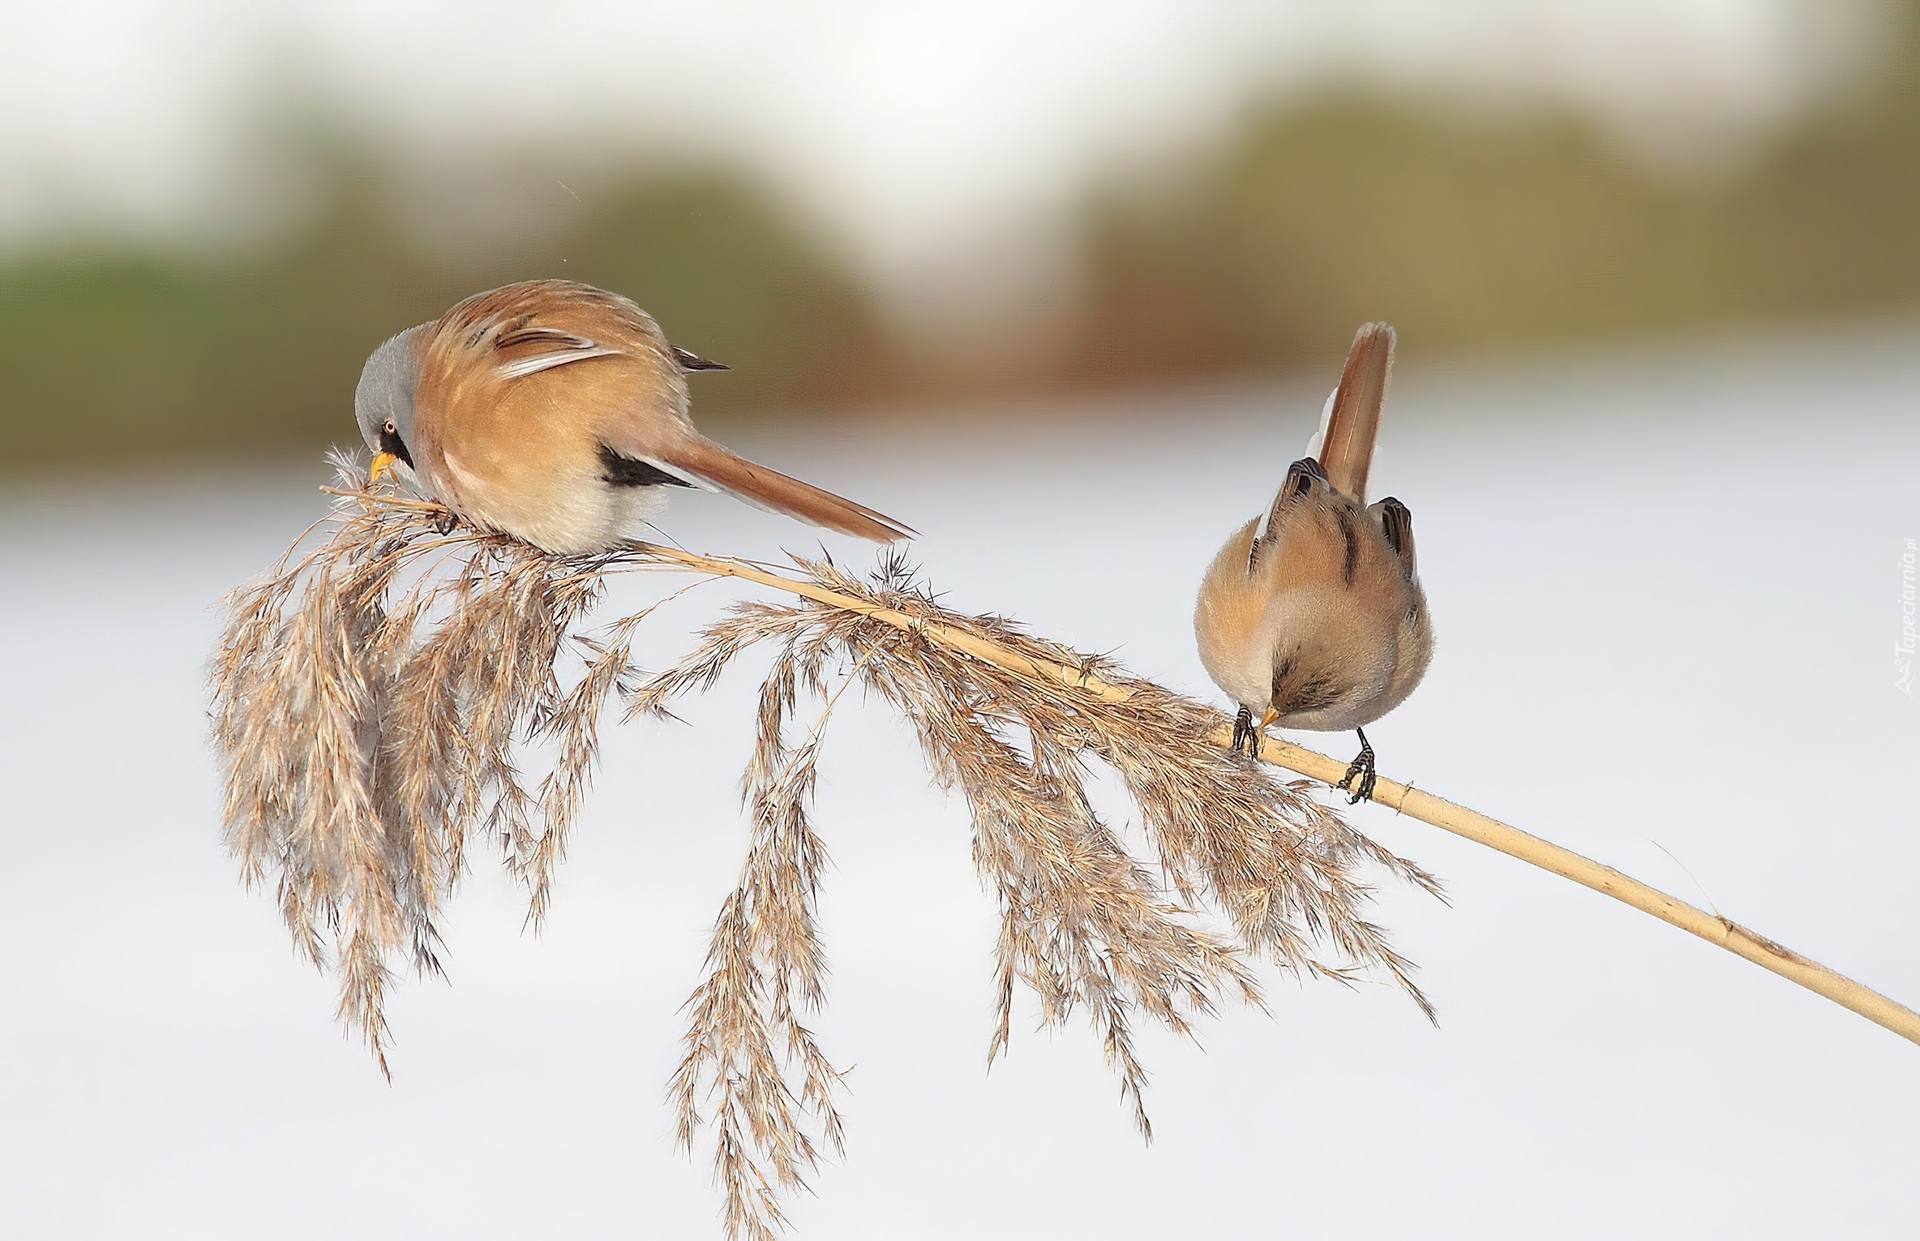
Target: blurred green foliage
[131, 354]
[1466, 233]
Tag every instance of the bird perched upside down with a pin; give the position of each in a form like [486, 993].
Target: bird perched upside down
[1315, 617]
[556, 412]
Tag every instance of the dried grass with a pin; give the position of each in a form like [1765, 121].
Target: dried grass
[375, 695]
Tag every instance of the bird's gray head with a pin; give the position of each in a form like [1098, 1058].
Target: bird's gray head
[383, 401]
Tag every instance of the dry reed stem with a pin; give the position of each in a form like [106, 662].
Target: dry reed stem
[374, 698]
[1435, 811]
[1714, 928]
[1083, 925]
[367, 709]
[374, 701]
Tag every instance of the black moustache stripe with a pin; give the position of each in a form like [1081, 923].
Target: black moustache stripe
[389, 442]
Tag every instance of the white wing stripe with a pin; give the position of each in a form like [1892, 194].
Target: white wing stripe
[685, 476]
[523, 367]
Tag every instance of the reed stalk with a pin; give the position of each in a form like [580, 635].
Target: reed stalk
[1413, 803]
[374, 698]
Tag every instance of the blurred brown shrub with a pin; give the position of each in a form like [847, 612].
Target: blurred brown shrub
[119, 353]
[1466, 233]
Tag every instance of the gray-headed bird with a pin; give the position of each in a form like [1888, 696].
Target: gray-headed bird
[1314, 617]
[556, 412]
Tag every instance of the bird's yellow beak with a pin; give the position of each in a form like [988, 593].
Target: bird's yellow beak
[1268, 716]
[382, 462]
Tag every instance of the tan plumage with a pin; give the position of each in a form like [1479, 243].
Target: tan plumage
[557, 413]
[1315, 618]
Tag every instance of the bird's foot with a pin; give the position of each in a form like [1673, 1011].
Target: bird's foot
[1360, 775]
[445, 521]
[1243, 734]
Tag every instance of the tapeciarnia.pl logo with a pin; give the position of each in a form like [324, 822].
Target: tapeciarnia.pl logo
[1903, 649]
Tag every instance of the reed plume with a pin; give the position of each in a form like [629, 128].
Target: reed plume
[378, 693]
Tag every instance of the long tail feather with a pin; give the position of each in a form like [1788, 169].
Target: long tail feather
[705, 463]
[1346, 449]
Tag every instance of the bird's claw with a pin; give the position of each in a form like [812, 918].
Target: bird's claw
[1360, 776]
[1244, 734]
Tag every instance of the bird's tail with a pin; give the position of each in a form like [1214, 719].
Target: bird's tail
[711, 465]
[1346, 446]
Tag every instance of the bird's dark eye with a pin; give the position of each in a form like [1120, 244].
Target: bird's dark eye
[390, 442]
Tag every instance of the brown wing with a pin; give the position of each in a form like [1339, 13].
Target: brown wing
[630, 398]
[522, 329]
[1396, 522]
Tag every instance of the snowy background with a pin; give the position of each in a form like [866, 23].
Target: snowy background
[1666, 588]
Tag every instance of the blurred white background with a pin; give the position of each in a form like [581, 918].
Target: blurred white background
[1664, 641]
[1064, 286]
[912, 131]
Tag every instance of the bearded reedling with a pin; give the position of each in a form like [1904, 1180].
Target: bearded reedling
[1314, 616]
[556, 412]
